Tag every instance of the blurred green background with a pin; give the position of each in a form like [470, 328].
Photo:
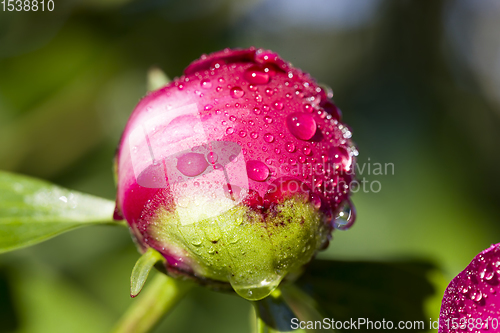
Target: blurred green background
[417, 80]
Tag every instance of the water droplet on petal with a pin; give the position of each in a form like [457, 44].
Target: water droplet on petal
[315, 200]
[242, 134]
[340, 158]
[212, 157]
[268, 137]
[301, 125]
[237, 92]
[346, 216]
[192, 164]
[268, 119]
[278, 105]
[229, 130]
[308, 108]
[257, 170]
[290, 147]
[256, 75]
[206, 84]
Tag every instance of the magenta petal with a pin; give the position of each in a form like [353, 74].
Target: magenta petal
[471, 302]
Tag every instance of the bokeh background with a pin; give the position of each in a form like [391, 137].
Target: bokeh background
[417, 80]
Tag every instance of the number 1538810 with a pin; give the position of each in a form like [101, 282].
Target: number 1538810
[27, 5]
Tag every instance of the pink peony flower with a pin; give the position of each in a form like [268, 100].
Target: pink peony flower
[471, 302]
[236, 170]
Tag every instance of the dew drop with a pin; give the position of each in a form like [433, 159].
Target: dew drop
[307, 150]
[212, 157]
[256, 75]
[237, 92]
[268, 119]
[477, 296]
[315, 200]
[196, 241]
[308, 108]
[301, 125]
[257, 170]
[346, 216]
[290, 147]
[192, 164]
[229, 130]
[268, 137]
[340, 158]
[254, 135]
[278, 105]
[206, 84]
[257, 111]
[257, 291]
[242, 134]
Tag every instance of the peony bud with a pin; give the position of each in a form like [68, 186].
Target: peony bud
[235, 171]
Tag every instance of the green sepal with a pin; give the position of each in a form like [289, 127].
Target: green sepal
[141, 270]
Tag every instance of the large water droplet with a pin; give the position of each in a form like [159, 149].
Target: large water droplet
[301, 125]
[257, 170]
[346, 216]
[255, 292]
[192, 164]
[237, 92]
[256, 75]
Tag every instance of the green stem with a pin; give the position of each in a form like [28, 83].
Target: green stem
[261, 326]
[159, 298]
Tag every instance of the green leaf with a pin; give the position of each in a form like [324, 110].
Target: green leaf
[32, 210]
[371, 290]
[141, 270]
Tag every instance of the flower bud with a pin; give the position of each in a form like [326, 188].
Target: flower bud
[235, 171]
